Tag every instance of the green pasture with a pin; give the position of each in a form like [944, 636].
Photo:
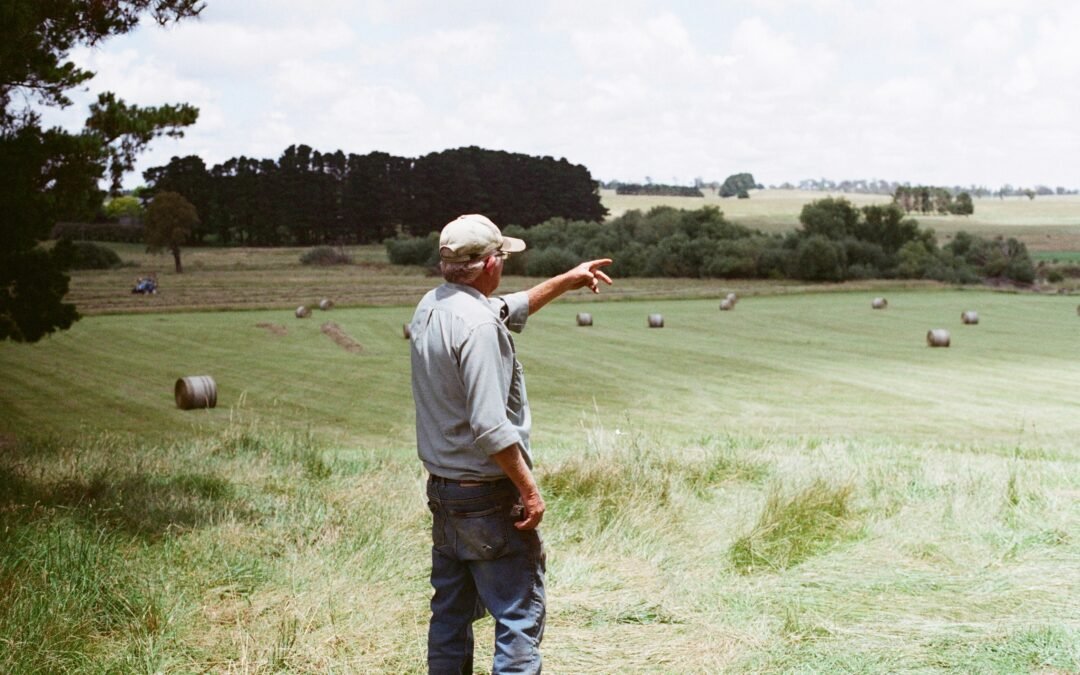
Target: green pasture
[1067, 257]
[812, 364]
[797, 485]
[1047, 223]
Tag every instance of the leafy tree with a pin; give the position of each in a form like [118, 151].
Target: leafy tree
[819, 259]
[736, 183]
[188, 177]
[963, 206]
[830, 217]
[124, 207]
[887, 227]
[170, 219]
[50, 174]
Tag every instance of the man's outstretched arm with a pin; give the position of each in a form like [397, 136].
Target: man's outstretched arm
[586, 274]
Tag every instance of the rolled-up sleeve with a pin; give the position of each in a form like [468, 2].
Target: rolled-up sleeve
[486, 365]
[516, 306]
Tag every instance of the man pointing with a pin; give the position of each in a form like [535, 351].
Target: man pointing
[472, 435]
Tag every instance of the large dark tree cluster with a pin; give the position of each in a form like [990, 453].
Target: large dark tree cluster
[49, 174]
[308, 197]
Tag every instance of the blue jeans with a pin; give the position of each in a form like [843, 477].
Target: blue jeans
[479, 561]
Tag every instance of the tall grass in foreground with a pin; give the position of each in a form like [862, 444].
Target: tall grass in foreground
[260, 550]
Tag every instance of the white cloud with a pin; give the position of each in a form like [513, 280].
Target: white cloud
[229, 52]
[965, 91]
[143, 80]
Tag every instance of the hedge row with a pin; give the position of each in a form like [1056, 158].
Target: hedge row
[837, 242]
[131, 234]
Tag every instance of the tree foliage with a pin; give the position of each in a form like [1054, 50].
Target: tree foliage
[90, 256]
[124, 207]
[307, 197]
[170, 220]
[737, 185]
[658, 190]
[52, 175]
[837, 242]
[928, 199]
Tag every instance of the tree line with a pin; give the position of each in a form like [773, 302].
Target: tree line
[886, 187]
[927, 199]
[657, 190]
[836, 241]
[308, 197]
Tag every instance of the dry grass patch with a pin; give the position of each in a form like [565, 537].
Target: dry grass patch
[273, 328]
[341, 338]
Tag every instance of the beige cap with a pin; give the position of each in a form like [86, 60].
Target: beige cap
[473, 236]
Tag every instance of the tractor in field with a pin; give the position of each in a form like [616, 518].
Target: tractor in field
[145, 285]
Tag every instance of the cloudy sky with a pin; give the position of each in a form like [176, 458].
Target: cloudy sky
[958, 92]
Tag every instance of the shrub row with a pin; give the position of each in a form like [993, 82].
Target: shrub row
[326, 255]
[87, 255]
[837, 242]
[127, 233]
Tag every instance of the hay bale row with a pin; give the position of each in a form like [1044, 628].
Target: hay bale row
[303, 311]
[195, 391]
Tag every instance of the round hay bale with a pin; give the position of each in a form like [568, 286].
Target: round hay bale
[732, 297]
[303, 312]
[656, 321]
[584, 319]
[727, 304]
[937, 337]
[970, 317]
[326, 303]
[195, 391]
[405, 332]
[879, 303]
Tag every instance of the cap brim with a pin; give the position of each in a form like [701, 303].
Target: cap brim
[512, 245]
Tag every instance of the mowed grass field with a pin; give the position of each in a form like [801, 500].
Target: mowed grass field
[794, 364]
[800, 484]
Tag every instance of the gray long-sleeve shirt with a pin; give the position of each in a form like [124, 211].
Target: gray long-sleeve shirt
[468, 386]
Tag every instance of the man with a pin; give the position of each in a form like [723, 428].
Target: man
[472, 435]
